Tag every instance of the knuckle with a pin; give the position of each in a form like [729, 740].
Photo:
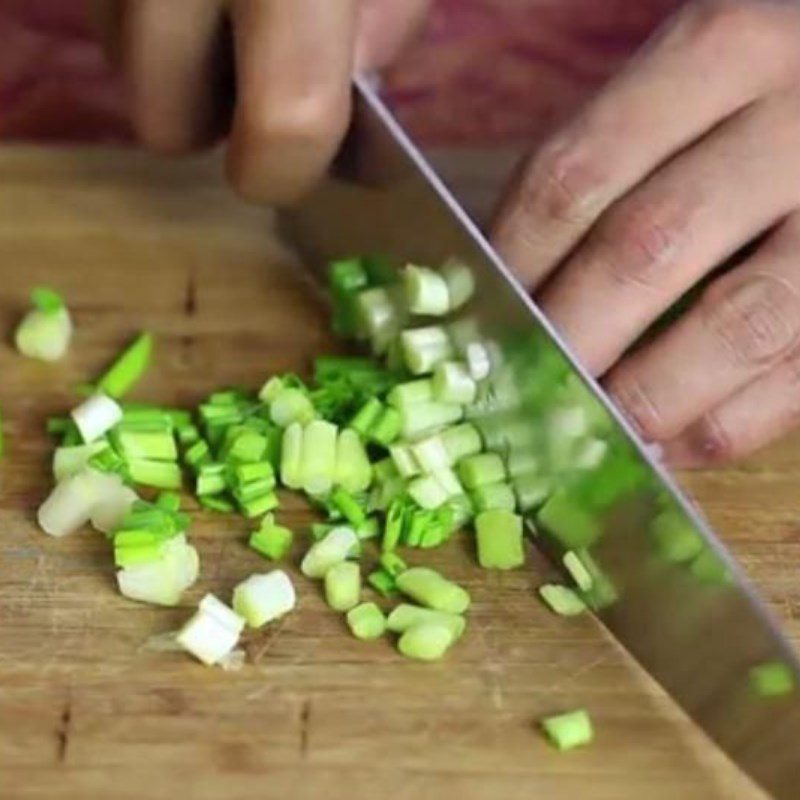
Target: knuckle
[638, 243]
[754, 317]
[562, 183]
[712, 441]
[638, 405]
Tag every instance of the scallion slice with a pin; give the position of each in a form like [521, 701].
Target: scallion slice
[499, 537]
[429, 588]
[570, 730]
[343, 586]
[425, 641]
[263, 598]
[426, 291]
[129, 367]
[366, 621]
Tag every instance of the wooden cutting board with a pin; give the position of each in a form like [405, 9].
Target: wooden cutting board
[88, 711]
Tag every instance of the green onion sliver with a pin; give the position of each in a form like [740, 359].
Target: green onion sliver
[429, 588]
[499, 538]
[129, 367]
[343, 586]
[569, 730]
[366, 621]
[426, 641]
[562, 600]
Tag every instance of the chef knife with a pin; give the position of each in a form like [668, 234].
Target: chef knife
[662, 582]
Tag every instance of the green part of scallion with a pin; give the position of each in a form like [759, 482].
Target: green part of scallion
[366, 621]
[382, 582]
[578, 570]
[569, 730]
[46, 300]
[429, 588]
[392, 563]
[426, 641]
[271, 540]
[386, 427]
[562, 600]
[405, 616]
[169, 501]
[343, 586]
[159, 474]
[493, 496]
[395, 522]
[215, 503]
[566, 521]
[129, 367]
[499, 538]
[481, 470]
[366, 416]
[772, 679]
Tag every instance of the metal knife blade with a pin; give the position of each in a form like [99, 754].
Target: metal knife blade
[667, 588]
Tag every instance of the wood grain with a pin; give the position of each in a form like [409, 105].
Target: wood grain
[87, 711]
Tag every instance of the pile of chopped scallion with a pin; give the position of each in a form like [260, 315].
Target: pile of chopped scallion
[395, 448]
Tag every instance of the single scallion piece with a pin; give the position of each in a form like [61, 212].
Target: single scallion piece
[45, 331]
[772, 679]
[382, 582]
[569, 730]
[493, 496]
[336, 547]
[292, 456]
[405, 616]
[480, 470]
[343, 586]
[424, 348]
[271, 540]
[318, 460]
[460, 282]
[405, 395]
[348, 506]
[499, 538]
[429, 588]
[461, 441]
[366, 621]
[425, 641]
[213, 631]
[427, 492]
[393, 564]
[577, 570]
[291, 405]
[452, 383]
[353, 471]
[159, 474]
[129, 367]
[425, 418]
[404, 460]
[426, 291]
[431, 454]
[562, 600]
[263, 598]
[386, 428]
[96, 416]
[366, 416]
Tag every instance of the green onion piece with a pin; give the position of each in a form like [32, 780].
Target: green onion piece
[319, 530]
[481, 470]
[675, 538]
[427, 492]
[589, 453]
[245, 447]
[392, 564]
[710, 569]
[366, 416]
[386, 428]
[429, 588]
[291, 405]
[427, 417]
[406, 616]
[57, 426]
[369, 529]
[426, 291]
[461, 441]
[211, 479]
[129, 367]
[405, 395]
[318, 460]
[379, 315]
[404, 460]
[346, 279]
[492, 496]
[187, 434]
[460, 282]
[343, 586]
[425, 641]
[106, 460]
[352, 471]
[531, 490]
[270, 390]
[292, 456]
[772, 679]
[264, 598]
[395, 522]
[215, 503]
[45, 331]
[348, 506]
[448, 480]
[197, 455]
[424, 348]
[382, 582]
[452, 383]
[499, 536]
[431, 454]
[68, 461]
[562, 600]
[366, 621]
[162, 582]
[578, 571]
[385, 492]
[257, 506]
[158, 445]
[571, 525]
[159, 474]
[212, 633]
[95, 416]
[246, 473]
[169, 501]
[570, 730]
[337, 546]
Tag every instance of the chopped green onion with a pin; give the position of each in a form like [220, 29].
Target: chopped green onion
[479, 360]
[368, 529]
[169, 501]
[393, 564]
[343, 586]
[96, 416]
[460, 282]
[270, 390]
[271, 540]
[426, 417]
[318, 464]
[187, 434]
[129, 367]
[570, 730]
[291, 405]
[158, 445]
[427, 492]
[213, 631]
[578, 571]
[292, 456]
[263, 598]
[675, 538]
[114, 502]
[452, 383]
[429, 588]
[395, 522]
[379, 314]
[336, 547]
[425, 641]
[424, 348]
[258, 471]
[499, 536]
[67, 461]
[406, 395]
[461, 441]
[386, 428]
[404, 460]
[562, 600]
[197, 455]
[709, 568]
[426, 291]
[45, 331]
[492, 496]
[160, 474]
[256, 506]
[406, 616]
[431, 454]
[348, 507]
[571, 525]
[353, 471]
[366, 621]
[69, 506]
[366, 416]
[218, 504]
[481, 470]
[382, 582]
[589, 454]
[772, 679]
[163, 581]
[244, 446]
[531, 490]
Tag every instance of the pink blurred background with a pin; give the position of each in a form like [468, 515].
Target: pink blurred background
[485, 72]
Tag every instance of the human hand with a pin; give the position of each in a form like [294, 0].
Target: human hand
[688, 155]
[291, 65]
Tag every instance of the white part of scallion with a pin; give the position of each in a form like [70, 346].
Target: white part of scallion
[424, 348]
[448, 480]
[318, 465]
[211, 634]
[452, 383]
[337, 546]
[292, 456]
[96, 416]
[69, 506]
[460, 282]
[408, 394]
[44, 334]
[114, 501]
[291, 405]
[461, 441]
[162, 582]
[424, 418]
[427, 492]
[380, 314]
[263, 598]
[431, 454]
[426, 291]
[67, 461]
[353, 470]
[404, 459]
